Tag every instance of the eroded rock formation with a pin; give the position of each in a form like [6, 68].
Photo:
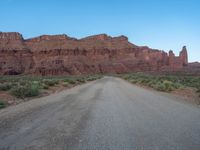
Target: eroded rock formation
[63, 55]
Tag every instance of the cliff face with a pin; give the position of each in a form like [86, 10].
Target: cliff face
[63, 55]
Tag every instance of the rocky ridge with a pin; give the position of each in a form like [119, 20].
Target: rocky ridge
[63, 55]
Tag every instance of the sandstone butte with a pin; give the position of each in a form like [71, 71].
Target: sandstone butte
[63, 55]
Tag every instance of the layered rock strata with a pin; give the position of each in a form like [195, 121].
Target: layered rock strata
[63, 55]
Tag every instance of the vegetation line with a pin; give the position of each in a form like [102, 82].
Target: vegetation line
[165, 83]
[22, 87]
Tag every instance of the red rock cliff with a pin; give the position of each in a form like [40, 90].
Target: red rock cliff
[63, 55]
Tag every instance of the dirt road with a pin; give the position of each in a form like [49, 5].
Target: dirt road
[107, 114]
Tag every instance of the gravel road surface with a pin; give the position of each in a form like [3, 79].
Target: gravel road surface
[107, 114]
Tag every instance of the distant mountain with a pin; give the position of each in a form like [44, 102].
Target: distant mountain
[63, 55]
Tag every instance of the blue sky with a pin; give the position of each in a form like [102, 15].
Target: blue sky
[160, 24]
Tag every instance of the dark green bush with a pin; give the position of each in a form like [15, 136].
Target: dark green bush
[159, 86]
[177, 85]
[81, 80]
[24, 82]
[33, 90]
[151, 83]
[25, 91]
[50, 82]
[44, 86]
[91, 78]
[70, 80]
[5, 86]
[163, 85]
[3, 104]
[198, 89]
[19, 91]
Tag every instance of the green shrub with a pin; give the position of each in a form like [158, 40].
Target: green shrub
[3, 104]
[70, 80]
[50, 82]
[168, 85]
[198, 89]
[151, 83]
[44, 86]
[24, 82]
[164, 86]
[162, 82]
[5, 86]
[126, 77]
[90, 78]
[81, 80]
[133, 81]
[36, 83]
[25, 91]
[19, 91]
[177, 85]
[33, 90]
[159, 86]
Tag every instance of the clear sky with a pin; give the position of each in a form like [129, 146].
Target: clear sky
[161, 24]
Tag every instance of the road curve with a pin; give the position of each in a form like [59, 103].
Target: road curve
[107, 114]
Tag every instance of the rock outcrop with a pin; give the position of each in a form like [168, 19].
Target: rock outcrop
[63, 55]
[192, 68]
